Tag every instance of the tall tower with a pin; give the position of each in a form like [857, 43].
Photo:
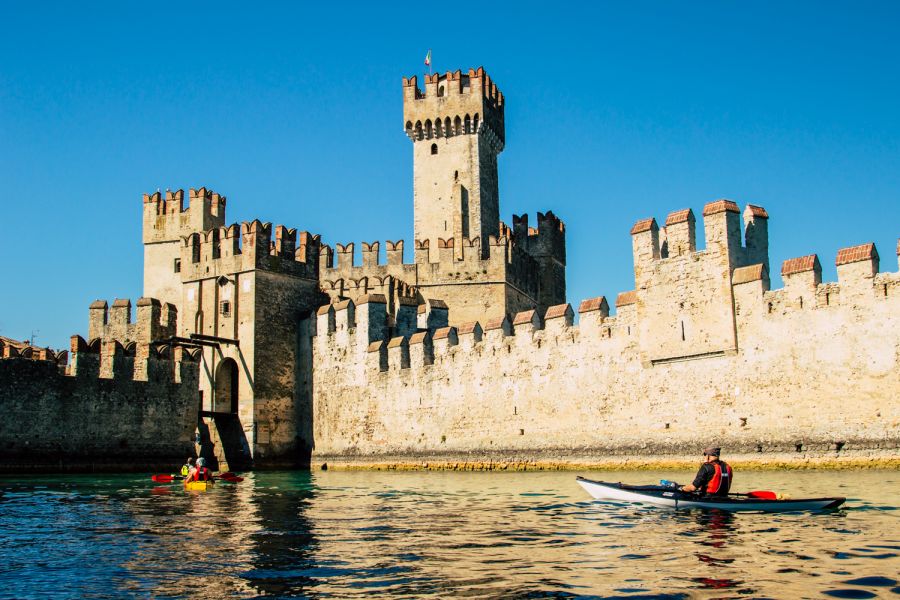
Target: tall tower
[166, 221]
[457, 130]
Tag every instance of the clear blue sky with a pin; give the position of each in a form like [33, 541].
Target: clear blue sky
[615, 112]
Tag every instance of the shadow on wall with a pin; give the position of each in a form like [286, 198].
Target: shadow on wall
[223, 443]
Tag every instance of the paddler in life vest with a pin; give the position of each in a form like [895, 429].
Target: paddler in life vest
[187, 466]
[200, 472]
[713, 478]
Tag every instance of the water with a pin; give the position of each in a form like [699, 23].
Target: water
[440, 534]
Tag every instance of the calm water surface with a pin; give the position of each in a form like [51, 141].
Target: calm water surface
[346, 534]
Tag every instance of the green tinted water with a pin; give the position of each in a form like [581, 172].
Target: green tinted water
[344, 534]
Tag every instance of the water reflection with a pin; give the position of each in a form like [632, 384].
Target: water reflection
[434, 534]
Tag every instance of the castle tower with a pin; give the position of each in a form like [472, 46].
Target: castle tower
[457, 130]
[166, 221]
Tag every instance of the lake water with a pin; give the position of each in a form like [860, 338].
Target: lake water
[439, 534]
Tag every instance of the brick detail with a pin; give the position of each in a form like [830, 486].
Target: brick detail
[396, 342]
[418, 338]
[801, 264]
[555, 312]
[467, 327]
[679, 216]
[443, 333]
[758, 211]
[494, 324]
[591, 304]
[626, 298]
[748, 274]
[523, 317]
[720, 206]
[373, 298]
[644, 225]
[856, 254]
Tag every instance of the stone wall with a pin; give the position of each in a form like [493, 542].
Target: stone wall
[165, 222]
[523, 268]
[247, 288]
[770, 375]
[100, 416]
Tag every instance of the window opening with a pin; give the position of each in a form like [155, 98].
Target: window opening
[434, 148]
[178, 265]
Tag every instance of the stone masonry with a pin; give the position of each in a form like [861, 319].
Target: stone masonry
[114, 407]
[700, 351]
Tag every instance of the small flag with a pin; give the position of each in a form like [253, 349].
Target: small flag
[428, 59]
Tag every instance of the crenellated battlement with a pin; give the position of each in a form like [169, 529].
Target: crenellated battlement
[10, 348]
[727, 239]
[154, 321]
[249, 246]
[860, 284]
[156, 363]
[453, 104]
[526, 331]
[167, 219]
[640, 320]
[450, 262]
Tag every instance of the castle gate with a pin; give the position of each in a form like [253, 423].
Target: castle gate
[225, 398]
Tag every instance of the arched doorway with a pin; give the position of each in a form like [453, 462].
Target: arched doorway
[226, 395]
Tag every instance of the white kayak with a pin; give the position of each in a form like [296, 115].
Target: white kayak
[671, 498]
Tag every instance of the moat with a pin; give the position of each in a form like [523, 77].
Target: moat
[438, 534]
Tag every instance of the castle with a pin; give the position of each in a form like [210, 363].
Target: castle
[470, 354]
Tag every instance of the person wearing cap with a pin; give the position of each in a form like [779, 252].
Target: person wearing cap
[200, 472]
[714, 477]
[186, 468]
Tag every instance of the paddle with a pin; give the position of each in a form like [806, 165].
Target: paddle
[231, 479]
[758, 494]
[163, 478]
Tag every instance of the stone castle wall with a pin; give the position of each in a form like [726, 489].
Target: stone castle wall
[523, 268]
[700, 352]
[109, 411]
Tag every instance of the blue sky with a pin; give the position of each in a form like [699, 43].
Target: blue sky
[615, 112]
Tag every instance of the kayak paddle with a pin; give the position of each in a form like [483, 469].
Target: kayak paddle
[162, 478]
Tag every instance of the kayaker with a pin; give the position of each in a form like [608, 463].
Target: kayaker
[714, 477]
[186, 468]
[200, 472]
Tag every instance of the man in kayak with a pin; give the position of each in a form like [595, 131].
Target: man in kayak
[713, 478]
[200, 472]
[186, 468]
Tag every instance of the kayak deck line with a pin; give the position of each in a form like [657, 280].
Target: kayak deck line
[672, 498]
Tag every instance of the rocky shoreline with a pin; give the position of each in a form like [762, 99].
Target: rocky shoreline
[748, 462]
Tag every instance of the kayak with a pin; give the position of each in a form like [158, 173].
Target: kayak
[198, 485]
[670, 498]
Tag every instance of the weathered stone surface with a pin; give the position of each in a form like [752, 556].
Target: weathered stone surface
[774, 382]
[98, 417]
